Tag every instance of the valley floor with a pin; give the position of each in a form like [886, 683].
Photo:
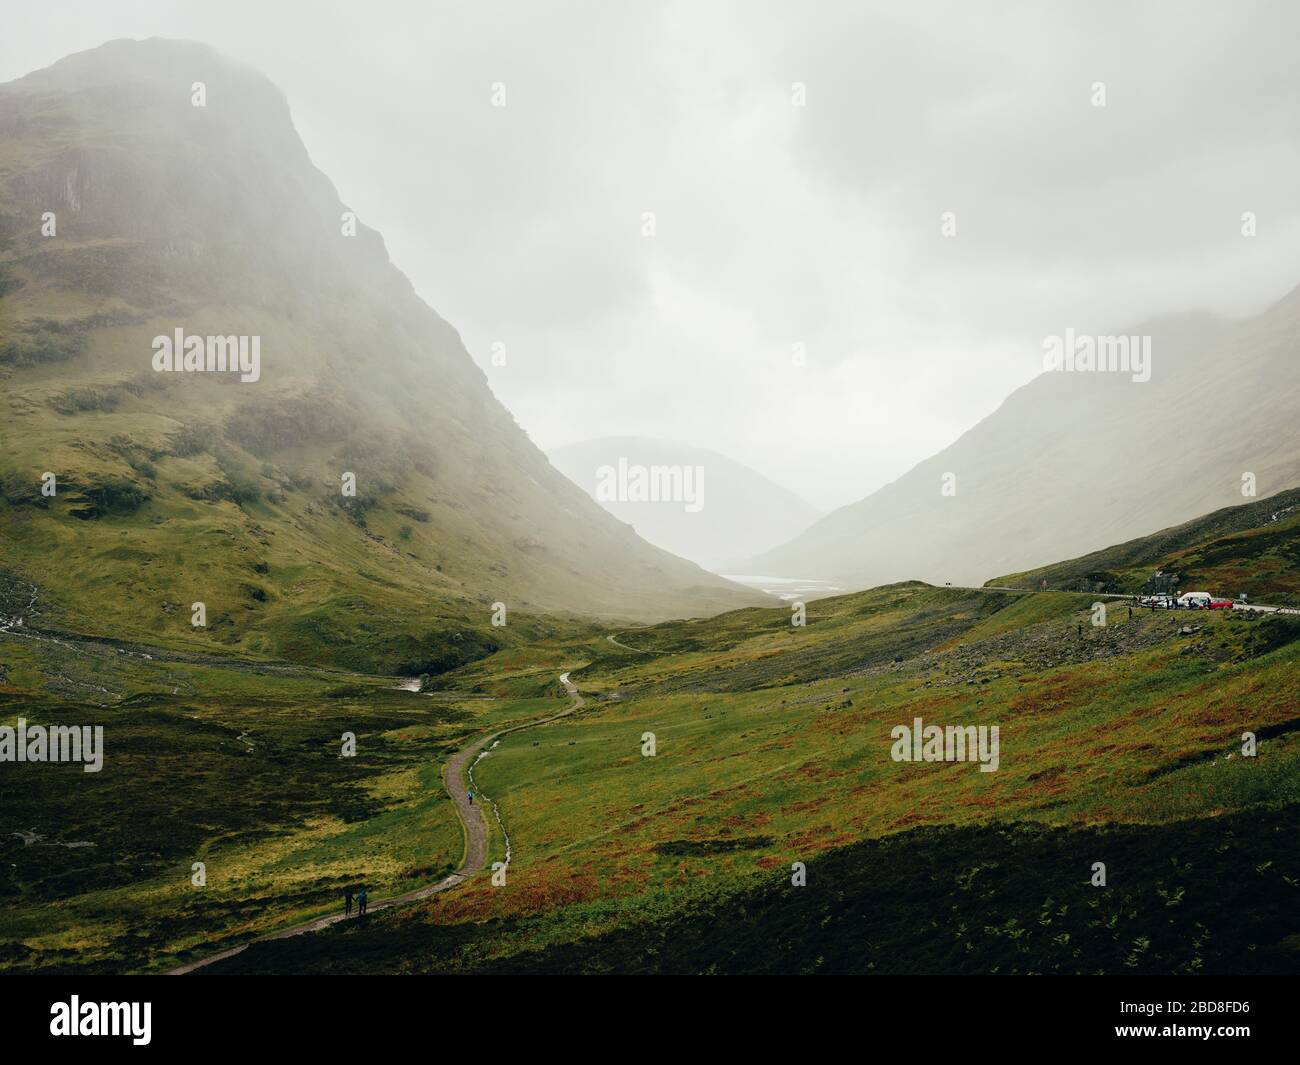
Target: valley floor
[1120, 744]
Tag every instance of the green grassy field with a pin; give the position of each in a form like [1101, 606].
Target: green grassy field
[1120, 743]
[237, 766]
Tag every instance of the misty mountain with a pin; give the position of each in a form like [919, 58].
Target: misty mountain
[152, 192]
[1076, 461]
[738, 513]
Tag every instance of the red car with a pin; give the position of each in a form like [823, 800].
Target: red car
[1220, 604]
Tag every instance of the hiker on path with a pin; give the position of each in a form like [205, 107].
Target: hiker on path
[471, 798]
[347, 902]
[361, 901]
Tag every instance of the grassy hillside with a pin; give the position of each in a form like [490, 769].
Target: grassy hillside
[1252, 550]
[235, 763]
[181, 487]
[1119, 744]
[1202, 896]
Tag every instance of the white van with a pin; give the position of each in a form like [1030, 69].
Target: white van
[1194, 600]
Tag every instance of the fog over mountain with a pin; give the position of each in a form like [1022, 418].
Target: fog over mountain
[779, 224]
[1075, 461]
[156, 195]
[732, 513]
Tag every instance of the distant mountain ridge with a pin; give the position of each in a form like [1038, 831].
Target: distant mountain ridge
[739, 511]
[128, 212]
[1250, 550]
[1074, 462]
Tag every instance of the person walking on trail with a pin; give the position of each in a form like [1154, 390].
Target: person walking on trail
[347, 902]
[361, 902]
[471, 798]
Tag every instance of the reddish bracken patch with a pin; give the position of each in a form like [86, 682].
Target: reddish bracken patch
[533, 889]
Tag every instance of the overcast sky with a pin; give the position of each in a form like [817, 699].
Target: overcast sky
[776, 224]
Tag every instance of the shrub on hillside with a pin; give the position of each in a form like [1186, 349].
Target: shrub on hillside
[193, 440]
[270, 426]
[40, 342]
[111, 496]
[79, 400]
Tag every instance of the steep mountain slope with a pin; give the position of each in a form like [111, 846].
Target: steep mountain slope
[741, 512]
[1073, 462]
[1251, 550]
[174, 487]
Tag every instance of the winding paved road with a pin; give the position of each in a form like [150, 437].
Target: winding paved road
[471, 816]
